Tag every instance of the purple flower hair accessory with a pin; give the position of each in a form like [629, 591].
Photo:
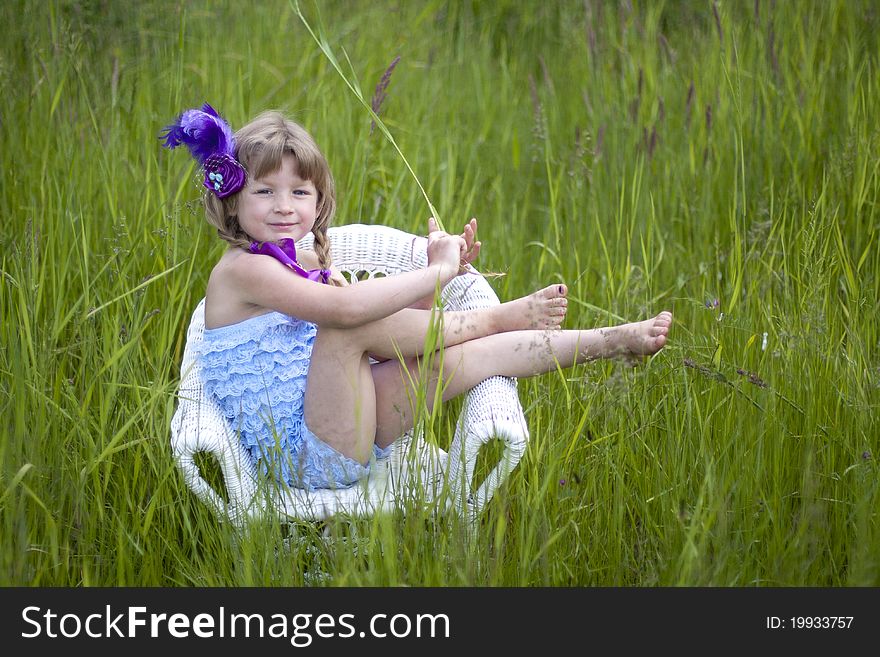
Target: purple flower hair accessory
[211, 142]
[224, 175]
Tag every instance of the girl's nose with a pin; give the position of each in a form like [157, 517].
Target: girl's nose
[283, 206]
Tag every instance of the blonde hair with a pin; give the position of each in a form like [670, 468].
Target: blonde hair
[260, 147]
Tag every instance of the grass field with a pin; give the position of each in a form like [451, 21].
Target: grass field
[718, 159]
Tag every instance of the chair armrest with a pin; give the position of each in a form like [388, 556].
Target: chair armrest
[492, 409]
[198, 425]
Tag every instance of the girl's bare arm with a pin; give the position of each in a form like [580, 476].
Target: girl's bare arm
[264, 282]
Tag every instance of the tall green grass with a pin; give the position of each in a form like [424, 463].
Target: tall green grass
[650, 155]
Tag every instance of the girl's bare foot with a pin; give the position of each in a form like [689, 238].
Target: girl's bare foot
[638, 338]
[544, 309]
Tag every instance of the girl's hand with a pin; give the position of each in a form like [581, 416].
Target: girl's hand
[446, 251]
[472, 247]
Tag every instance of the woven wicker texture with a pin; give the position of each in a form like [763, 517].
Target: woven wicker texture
[491, 410]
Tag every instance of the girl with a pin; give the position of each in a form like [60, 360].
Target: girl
[288, 343]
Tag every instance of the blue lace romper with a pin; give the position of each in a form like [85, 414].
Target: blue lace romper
[256, 370]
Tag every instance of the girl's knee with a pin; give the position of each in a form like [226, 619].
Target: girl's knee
[337, 339]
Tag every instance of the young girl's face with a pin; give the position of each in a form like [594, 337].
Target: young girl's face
[278, 205]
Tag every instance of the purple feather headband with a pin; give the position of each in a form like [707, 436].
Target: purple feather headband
[210, 141]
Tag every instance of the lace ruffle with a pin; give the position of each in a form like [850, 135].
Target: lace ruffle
[256, 370]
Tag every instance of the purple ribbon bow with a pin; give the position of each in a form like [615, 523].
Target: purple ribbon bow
[285, 253]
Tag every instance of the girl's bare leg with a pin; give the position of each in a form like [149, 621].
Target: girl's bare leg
[351, 405]
[404, 332]
[519, 354]
[340, 399]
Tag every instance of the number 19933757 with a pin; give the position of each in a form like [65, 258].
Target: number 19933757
[809, 623]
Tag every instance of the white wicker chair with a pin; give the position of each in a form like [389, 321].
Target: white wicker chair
[491, 410]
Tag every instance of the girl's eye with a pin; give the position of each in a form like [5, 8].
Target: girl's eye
[300, 192]
[264, 191]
